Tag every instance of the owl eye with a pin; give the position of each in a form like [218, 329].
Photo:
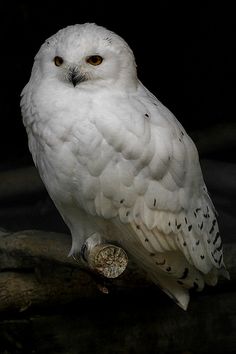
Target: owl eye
[58, 61]
[94, 60]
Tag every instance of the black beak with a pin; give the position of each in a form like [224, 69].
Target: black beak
[75, 77]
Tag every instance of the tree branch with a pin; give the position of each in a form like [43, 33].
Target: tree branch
[35, 270]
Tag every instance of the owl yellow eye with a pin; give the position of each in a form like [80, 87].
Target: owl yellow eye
[94, 60]
[58, 61]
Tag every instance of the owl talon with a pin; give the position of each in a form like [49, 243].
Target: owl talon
[83, 252]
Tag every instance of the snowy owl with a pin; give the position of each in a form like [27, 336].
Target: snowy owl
[117, 163]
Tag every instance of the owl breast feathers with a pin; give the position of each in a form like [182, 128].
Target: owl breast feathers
[116, 162]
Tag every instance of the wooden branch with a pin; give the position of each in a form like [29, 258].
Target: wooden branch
[105, 259]
[35, 269]
[108, 260]
[55, 285]
[25, 249]
[42, 276]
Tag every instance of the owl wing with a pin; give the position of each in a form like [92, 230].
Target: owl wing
[146, 178]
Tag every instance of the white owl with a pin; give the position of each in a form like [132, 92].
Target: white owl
[117, 163]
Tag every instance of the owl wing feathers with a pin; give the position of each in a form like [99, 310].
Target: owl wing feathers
[152, 182]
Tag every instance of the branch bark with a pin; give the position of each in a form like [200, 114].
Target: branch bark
[35, 270]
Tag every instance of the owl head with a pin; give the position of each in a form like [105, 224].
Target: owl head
[86, 54]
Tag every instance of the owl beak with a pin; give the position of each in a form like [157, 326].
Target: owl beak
[75, 77]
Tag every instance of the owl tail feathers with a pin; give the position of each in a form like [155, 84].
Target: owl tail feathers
[178, 294]
[224, 273]
[211, 278]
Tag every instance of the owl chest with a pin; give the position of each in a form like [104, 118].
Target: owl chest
[67, 154]
[62, 146]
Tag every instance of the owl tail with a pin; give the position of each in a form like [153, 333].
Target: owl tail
[175, 276]
[177, 293]
[212, 277]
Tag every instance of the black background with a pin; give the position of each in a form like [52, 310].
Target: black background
[184, 52]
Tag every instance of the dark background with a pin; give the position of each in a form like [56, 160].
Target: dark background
[184, 53]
